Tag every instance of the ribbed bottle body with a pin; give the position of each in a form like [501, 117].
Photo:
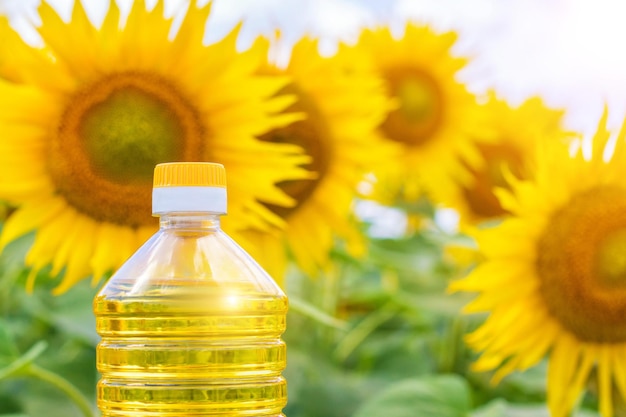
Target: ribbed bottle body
[198, 333]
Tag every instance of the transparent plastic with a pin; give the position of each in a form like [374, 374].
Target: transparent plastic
[191, 326]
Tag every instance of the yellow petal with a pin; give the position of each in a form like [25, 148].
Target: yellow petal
[29, 217]
[82, 247]
[605, 386]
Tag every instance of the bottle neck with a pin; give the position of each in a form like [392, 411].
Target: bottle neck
[177, 220]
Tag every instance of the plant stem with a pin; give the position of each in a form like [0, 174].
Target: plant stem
[62, 384]
[360, 332]
[308, 310]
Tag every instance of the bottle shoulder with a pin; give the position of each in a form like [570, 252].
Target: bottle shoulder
[191, 258]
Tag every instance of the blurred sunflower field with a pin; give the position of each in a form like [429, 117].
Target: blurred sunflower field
[452, 240]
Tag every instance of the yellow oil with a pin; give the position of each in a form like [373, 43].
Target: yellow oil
[191, 349]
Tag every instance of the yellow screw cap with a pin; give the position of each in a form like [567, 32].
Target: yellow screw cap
[189, 174]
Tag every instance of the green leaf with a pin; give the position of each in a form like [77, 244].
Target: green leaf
[14, 253]
[8, 349]
[496, 408]
[318, 387]
[500, 408]
[434, 396]
[72, 313]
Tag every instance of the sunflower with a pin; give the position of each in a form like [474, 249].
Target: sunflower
[7, 38]
[98, 107]
[435, 115]
[554, 279]
[340, 112]
[517, 131]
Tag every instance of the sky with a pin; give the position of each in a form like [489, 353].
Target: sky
[567, 51]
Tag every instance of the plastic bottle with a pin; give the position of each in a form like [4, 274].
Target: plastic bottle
[191, 324]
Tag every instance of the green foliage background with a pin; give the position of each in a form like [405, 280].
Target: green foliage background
[378, 338]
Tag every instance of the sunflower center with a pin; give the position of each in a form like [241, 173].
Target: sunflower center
[313, 135]
[128, 133]
[581, 263]
[111, 135]
[611, 260]
[479, 194]
[420, 111]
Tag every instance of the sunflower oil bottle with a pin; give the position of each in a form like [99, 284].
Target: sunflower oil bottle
[190, 324]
